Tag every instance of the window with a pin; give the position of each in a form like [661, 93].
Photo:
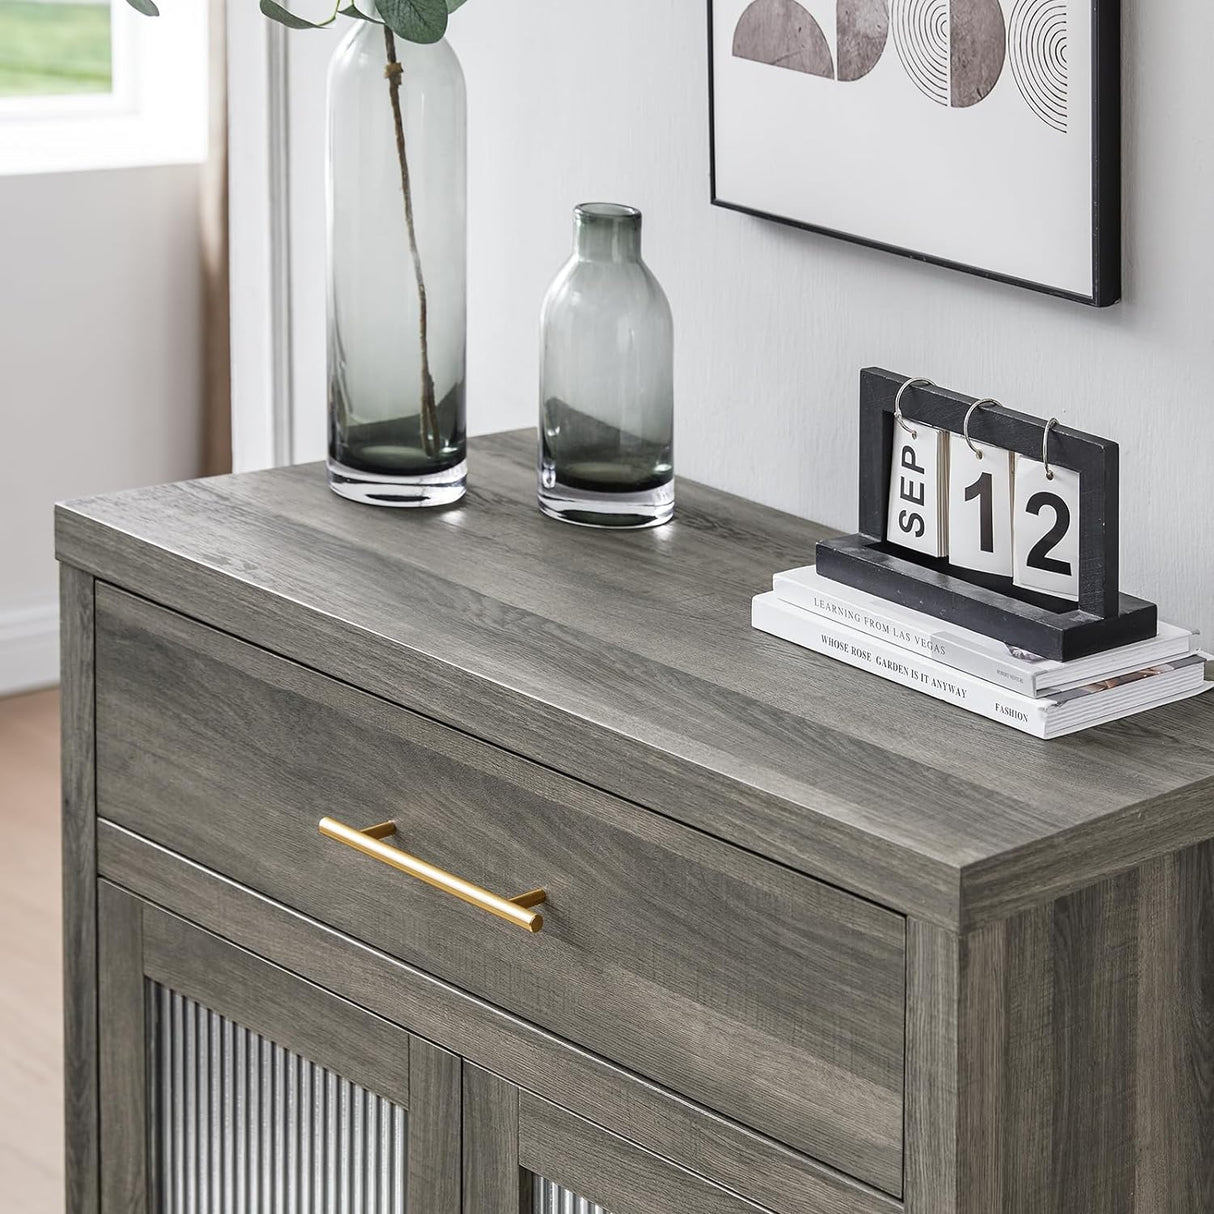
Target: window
[88, 84]
[57, 47]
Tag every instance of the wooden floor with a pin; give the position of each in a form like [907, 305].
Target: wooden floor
[31, 1099]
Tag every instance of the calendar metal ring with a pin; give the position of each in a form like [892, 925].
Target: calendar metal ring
[965, 425]
[910, 383]
[1045, 448]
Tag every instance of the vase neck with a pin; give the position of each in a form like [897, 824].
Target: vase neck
[605, 231]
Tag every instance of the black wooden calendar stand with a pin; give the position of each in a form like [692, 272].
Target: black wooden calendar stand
[993, 606]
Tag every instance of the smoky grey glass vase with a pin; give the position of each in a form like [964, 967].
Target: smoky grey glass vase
[606, 380]
[397, 257]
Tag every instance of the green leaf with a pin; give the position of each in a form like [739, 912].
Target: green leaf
[146, 7]
[364, 9]
[452, 5]
[277, 12]
[415, 20]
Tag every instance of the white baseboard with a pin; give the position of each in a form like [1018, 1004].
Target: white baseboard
[29, 648]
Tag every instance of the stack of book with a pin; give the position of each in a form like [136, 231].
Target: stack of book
[1038, 696]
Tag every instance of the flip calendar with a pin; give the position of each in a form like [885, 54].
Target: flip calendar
[999, 521]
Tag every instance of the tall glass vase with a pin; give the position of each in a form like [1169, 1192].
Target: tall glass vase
[397, 257]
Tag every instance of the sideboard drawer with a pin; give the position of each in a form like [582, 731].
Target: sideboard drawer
[749, 988]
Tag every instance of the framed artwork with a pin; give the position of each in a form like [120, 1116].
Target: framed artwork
[984, 135]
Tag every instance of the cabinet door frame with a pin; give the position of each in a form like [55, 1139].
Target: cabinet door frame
[512, 1136]
[138, 941]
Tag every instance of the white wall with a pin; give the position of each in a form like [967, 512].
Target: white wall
[100, 336]
[572, 100]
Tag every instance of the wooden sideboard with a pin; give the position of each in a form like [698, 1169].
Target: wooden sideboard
[809, 943]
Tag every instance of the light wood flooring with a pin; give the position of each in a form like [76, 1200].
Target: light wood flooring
[31, 1001]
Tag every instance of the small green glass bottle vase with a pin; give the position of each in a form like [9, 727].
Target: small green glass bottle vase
[397, 257]
[606, 380]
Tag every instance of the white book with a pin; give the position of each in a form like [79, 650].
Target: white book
[986, 657]
[1043, 717]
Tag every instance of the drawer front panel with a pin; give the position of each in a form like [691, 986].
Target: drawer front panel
[751, 989]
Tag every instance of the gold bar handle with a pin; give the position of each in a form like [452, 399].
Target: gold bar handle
[369, 841]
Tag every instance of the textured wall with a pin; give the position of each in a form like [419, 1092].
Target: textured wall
[572, 100]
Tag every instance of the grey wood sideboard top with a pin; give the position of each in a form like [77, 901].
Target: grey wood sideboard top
[627, 660]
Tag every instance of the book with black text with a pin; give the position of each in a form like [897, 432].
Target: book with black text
[1042, 716]
[971, 652]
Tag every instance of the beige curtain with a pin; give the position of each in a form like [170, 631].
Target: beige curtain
[217, 380]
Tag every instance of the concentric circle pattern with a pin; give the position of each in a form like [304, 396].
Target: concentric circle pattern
[1038, 49]
[921, 35]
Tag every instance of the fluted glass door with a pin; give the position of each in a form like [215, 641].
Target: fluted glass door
[240, 1123]
[551, 1198]
[229, 1084]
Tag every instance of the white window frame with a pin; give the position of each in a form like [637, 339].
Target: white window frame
[276, 84]
[156, 112]
[259, 234]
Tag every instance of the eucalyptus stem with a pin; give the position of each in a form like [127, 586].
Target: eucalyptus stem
[431, 440]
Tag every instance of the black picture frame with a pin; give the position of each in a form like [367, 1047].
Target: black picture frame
[1052, 628]
[1106, 175]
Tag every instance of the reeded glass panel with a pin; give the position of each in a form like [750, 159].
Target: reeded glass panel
[241, 1125]
[552, 1199]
